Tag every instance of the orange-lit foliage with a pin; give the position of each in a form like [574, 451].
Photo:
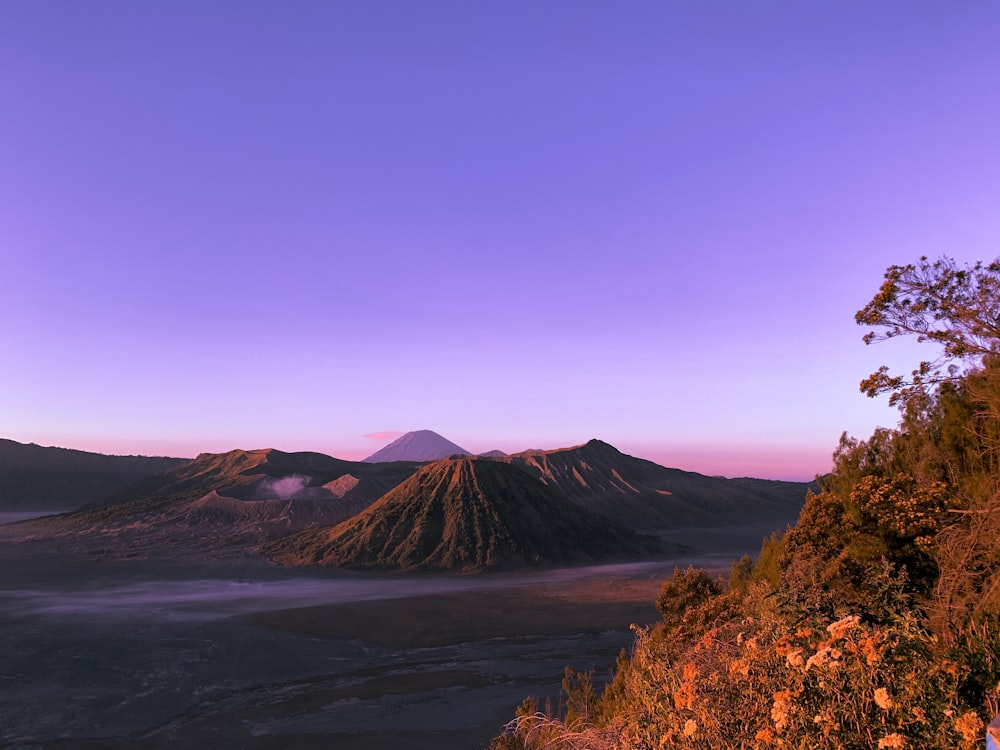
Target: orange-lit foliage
[758, 680]
[875, 621]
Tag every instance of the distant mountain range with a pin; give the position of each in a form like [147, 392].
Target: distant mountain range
[494, 511]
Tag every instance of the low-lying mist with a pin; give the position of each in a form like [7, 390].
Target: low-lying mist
[209, 598]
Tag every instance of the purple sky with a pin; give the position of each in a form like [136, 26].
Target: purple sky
[520, 224]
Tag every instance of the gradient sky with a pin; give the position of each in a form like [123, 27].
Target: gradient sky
[520, 224]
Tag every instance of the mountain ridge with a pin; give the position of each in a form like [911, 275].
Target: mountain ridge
[466, 514]
[253, 497]
[644, 494]
[221, 501]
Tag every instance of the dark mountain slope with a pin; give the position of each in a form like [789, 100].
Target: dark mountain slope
[643, 494]
[421, 445]
[33, 477]
[466, 514]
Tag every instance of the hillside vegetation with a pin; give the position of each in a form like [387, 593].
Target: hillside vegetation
[874, 622]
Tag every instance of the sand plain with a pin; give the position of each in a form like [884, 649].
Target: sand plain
[230, 651]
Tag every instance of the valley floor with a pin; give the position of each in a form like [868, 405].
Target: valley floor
[237, 653]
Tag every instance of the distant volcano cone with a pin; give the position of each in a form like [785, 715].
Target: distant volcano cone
[422, 445]
[466, 514]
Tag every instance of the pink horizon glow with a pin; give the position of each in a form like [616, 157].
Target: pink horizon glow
[763, 462]
[384, 436]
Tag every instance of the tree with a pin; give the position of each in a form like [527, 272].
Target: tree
[950, 437]
[941, 302]
[578, 691]
[685, 591]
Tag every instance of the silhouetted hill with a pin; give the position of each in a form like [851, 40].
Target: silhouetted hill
[777, 490]
[466, 514]
[33, 477]
[421, 445]
[643, 494]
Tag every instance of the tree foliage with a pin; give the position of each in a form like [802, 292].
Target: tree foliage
[940, 302]
[875, 620]
[685, 591]
[579, 696]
